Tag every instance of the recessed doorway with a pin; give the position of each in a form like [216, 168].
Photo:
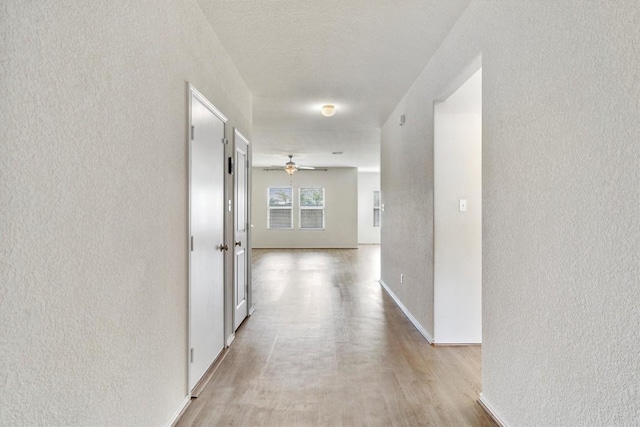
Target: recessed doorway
[458, 215]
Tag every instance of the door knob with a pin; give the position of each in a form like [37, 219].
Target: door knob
[223, 247]
[239, 243]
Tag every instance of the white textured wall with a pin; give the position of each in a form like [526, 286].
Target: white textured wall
[457, 265]
[368, 182]
[93, 188]
[341, 209]
[561, 197]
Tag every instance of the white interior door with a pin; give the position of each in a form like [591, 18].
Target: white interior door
[206, 212]
[240, 227]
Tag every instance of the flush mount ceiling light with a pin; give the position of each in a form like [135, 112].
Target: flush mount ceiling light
[328, 110]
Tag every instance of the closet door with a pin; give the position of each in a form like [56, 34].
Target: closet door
[207, 249]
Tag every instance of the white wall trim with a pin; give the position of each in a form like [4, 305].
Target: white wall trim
[239, 135]
[491, 411]
[180, 411]
[230, 339]
[407, 313]
[195, 92]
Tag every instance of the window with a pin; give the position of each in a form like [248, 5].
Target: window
[376, 208]
[280, 212]
[312, 208]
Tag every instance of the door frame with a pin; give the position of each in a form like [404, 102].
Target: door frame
[470, 71]
[238, 135]
[193, 92]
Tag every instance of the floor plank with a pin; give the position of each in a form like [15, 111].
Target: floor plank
[326, 346]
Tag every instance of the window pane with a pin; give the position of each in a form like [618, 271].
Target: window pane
[280, 197]
[312, 218]
[376, 217]
[312, 197]
[280, 218]
[376, 199]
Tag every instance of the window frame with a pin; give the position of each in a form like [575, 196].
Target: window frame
[270, 208]
[301, 207]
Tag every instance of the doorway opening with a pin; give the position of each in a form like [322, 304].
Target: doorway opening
[458, 215]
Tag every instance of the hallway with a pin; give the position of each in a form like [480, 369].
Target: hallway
[326, 346]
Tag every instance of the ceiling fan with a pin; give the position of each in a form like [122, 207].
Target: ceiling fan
[290, 167]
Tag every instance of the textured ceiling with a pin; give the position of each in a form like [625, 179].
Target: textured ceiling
[361, 55]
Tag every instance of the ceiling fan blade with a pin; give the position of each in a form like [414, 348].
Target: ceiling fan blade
[306, 167]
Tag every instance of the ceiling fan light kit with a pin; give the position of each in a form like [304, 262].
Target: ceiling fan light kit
[290, 167]
[328, 110]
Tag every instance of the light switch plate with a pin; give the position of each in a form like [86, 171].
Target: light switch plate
[463, 205]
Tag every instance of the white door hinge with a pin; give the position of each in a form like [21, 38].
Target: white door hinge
[191, 354]
[193, 132]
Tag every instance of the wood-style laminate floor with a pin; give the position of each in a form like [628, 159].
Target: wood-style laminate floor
[326, 346]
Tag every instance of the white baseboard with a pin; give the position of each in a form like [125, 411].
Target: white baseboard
[491, 411]
[251, 310]
[180, 411]
[407, 313]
